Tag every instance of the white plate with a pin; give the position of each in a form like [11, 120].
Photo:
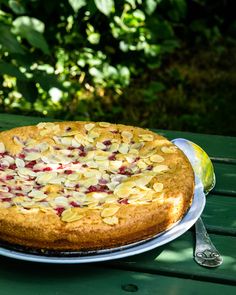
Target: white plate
[189, 219]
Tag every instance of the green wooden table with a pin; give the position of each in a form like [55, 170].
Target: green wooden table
[169, 269]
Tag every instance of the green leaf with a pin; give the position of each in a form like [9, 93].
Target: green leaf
[37, 40]
[31, 29]
[17, 7]
[105, 6]
[94, 38]
[28, 90]
[151, 6]
[77, 4]
[26, 22]
[9, 69]
[9, 41]
[47, 81]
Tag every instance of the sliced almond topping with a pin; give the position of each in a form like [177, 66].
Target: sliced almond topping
[158, 187]
[126, 136]
[2, 147]
[32, 156]
[26, 172]
[17, 141]
[66, 141]
[133, 152]
[89, 126]
[70, 215]
[146, 137]
[141, 164]
[100, 145]
[110, 211]
[103, 164]
[81, 139]
[61, 201]
[124, 148]
[157, 159]
[104, 124]
[37, 195]
[114, 147]
[90, 181]
[168, 150]
[160, 168]
[123, 189]
[111, 220]
[144, 180]
[44, 178]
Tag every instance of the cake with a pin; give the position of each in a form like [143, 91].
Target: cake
[89, 185]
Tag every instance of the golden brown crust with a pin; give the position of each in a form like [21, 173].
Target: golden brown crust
[164, 199]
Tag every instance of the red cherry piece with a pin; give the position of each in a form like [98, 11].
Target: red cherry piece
[6, 200]
[9, 177]
[123, 201]
[68, 172]
[74, 204]
[30, 165]
[12, 166]
[59, 210]
[107, 142]
[47, 169]
[112, 158]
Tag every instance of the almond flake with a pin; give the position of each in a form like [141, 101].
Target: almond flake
[110, 211]
[111, 220]
[70, 215]
[146, 137]
[114, 147]
[104, 164]
[37, 195]
[124, 148]
[158, 187]
[126, 136]
[61, 201]
[66, 141]
[32, 156]
[17, 141]
[9, 159]
[81, 139]
[141, 164]
[144, 180]
[104, 124]
[168, 150]
[160, 168]
[123, 189]
[89, 126]
[101, 146]
[88, 182]
[115, 165]
[157, 159]
[26, 172]
[2, 148]
[44, 178]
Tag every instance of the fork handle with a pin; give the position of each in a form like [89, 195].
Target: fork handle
[206, 253]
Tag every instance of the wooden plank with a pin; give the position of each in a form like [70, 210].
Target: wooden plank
[32, 278]
[11, 121]
[220, 148]
[176, 259]
[225, 179]
[219, 214]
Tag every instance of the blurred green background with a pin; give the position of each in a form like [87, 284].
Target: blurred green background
[167, 64]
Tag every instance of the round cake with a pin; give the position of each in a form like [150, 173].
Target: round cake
[88, 186]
